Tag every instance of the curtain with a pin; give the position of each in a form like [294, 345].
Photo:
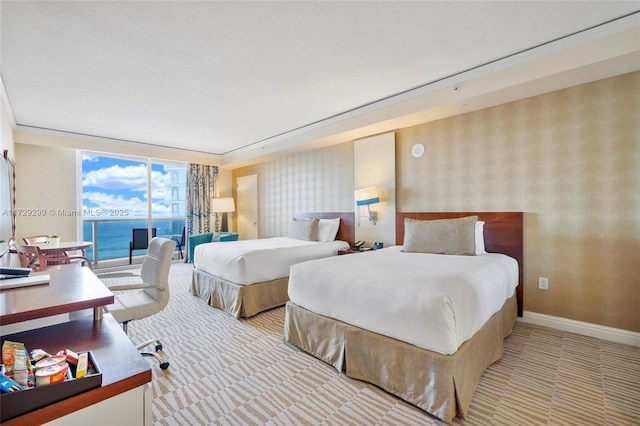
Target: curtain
[201, 184]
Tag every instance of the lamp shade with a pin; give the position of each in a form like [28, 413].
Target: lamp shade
[222, 205]
[367, 196]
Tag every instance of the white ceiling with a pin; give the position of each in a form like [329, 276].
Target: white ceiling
[222, 77]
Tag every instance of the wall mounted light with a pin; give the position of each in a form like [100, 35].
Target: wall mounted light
[223, 205]
[366, 197]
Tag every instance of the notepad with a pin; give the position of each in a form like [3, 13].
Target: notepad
[8, 283]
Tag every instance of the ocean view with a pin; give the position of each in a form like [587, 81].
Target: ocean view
[114, 236]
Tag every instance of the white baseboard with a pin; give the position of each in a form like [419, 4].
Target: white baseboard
[587, 329]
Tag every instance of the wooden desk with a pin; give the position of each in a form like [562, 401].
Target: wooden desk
[125, 373]
[71, 289]
[122, 367]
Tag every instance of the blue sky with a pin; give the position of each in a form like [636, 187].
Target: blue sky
[111, 183]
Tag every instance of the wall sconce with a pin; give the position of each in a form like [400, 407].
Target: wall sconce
[223, 205]
[366, 197]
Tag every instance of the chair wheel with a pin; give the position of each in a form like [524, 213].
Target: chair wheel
[164, 365]
[158, 347]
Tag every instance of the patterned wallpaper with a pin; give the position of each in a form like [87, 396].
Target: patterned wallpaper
[314, 181]
[570, 160]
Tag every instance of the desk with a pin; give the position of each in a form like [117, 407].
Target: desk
[70, 289]
[123, 368]
[123, 397]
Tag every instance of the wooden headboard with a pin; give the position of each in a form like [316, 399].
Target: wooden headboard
[502, 234]
[346, 231]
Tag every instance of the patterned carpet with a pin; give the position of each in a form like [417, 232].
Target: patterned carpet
[230, 372]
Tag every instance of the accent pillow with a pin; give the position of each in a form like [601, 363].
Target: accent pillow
[328, 229]
[441, 236]
[304, 229]
[480, 237]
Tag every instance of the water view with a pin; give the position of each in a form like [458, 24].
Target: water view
[114, 236]
[119, 193]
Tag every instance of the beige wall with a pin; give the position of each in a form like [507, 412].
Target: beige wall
[46, 184]
[314, 181]
[6, 131]
[570, 159]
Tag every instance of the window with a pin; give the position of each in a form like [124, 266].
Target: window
[116, 199]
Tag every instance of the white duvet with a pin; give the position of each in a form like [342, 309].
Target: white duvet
[253, 261]
[432, 301]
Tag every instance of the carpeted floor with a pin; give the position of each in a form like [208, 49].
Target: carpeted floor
[239, 372]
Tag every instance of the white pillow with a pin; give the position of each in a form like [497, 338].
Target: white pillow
[304, 229]
[328, 229]
[480, 237]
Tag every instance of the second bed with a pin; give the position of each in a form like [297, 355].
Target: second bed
[246, 277]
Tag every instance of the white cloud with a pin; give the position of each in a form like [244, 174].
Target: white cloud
[135, 207]
[89, 157]
[132, 178]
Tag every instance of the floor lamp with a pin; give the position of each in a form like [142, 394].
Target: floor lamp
[223, 205]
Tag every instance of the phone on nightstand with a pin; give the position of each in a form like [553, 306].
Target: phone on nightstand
[358, 245]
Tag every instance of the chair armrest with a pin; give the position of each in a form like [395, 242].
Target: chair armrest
[195, 240]
[231, 236]
[134, 287]
[117, 275]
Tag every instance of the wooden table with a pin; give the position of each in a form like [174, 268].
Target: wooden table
[65, 246]
[71, 288]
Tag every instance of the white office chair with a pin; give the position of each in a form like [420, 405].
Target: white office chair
[147, 298]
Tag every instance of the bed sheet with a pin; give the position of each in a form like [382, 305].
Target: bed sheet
[251, 261]
[435, 302]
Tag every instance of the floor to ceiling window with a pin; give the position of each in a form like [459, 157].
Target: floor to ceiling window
[120, 194]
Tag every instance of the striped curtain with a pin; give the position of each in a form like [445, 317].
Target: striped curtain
[201, 184]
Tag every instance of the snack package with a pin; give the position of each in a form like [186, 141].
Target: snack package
[38, 354]
[15, 358]
[7, 385]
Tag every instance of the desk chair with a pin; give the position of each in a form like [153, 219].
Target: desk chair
[36, 239]
[140, 240]
[32, 257]
[179, 239]
[148, 297]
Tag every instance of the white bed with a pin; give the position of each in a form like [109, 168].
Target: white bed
[250, 276]
[432, 301]
[421, 326]
[253, 261]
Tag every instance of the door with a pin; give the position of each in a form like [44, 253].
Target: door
[247, 195]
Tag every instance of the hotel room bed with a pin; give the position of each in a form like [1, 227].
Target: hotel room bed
[421, 326]
[248, 277]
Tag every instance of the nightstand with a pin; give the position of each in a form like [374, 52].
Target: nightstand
[351, 250]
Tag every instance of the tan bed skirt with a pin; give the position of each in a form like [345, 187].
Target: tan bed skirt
[239, 300]
[442, 385]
